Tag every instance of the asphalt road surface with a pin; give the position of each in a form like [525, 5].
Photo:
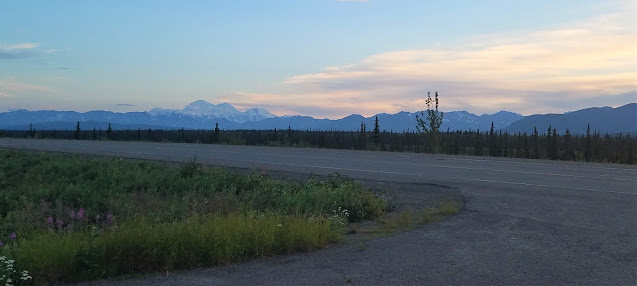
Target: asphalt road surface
[526, 222]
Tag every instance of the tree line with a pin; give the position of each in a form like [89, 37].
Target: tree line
[540, 144]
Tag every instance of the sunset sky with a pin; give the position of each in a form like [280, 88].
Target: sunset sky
[322, 58]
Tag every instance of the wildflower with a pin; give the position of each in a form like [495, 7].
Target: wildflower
[80, 214]
[97, 217]
[49, 220]
[72, 215]
[13, 236]
[109, 218]
[1, 244]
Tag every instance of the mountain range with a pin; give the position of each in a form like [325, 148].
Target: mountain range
[203, 115]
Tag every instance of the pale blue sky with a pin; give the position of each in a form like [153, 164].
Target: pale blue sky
[324, 58]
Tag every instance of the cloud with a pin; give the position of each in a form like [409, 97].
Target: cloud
[9, 88]
[555, 70]
[123, 105]
[62, 68]
[18, 51]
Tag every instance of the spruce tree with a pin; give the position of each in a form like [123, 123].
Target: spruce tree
[478, 145]
[109, 132]
[588, 144]
[376, 134]
[505, 147]
[288, 135]
[527, 153]
[362, 136]
[536, 144]
[77, 131]
[569, 150]
[215, 135]
[555, 145]
[548, 144]
[492, 151]
[94, 134]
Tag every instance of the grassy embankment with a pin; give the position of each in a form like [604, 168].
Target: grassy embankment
[66, 218]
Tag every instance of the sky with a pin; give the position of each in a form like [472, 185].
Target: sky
[322, 58]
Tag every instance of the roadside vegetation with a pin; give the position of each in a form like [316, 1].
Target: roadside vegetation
[404, 220]
[70, 218]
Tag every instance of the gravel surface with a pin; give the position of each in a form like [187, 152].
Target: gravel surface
[476, 247]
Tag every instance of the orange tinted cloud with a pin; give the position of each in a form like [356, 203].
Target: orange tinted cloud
[566, 68]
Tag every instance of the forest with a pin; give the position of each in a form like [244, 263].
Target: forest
[545, 144]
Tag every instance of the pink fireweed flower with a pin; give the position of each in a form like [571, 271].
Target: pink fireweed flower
[109, 218]
[1, 244]
[49, 220]
[13, 236]
[80, 213]
[72, 215]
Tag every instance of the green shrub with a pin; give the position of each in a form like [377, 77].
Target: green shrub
[80, 218]
[142, 246]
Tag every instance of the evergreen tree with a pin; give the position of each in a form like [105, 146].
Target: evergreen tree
[569, 150]
[492, 151]
[77, 134]
[518, 146]
[362, 136]
[376, 134]
[94, 134]
[215, 135]
[109, 132]
[527, 153]
[431, 127]
[288, 135]
[536, 144]
[588, 145]
[478, 145]
[505, 145]
[555, 145]
[628, 145]
[548, 143]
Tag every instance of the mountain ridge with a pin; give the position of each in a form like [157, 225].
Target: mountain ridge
[204, 115]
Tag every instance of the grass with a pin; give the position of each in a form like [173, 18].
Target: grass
[408, 219]
[78, 219]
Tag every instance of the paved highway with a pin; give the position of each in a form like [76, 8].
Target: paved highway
[574, 222]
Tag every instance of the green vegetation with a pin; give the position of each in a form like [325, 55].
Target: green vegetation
[393, 222]
[591, 147]
[69, 218]
[431, 126]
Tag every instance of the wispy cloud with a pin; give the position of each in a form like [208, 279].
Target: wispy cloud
[10, 88]
[17, 51]
[554, 70]
[123, 105]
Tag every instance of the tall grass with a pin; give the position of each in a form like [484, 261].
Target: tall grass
[79, 218]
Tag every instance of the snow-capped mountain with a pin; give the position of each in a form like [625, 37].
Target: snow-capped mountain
[203, 115]
[202, 108]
